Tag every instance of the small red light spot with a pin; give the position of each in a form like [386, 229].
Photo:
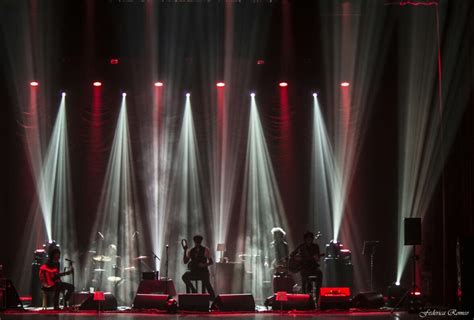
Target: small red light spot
[114, 61]
[158, 84]
[97, 84]
[220, 84]
[260, 62]
[34, 84]
[283, 84]
[345, 84]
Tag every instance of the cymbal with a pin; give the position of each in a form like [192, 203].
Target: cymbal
[101, 258]
[247, 255]
[129, 268]
[114, 279]
[141, 258]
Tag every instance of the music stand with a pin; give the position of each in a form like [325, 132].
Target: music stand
[369, 250]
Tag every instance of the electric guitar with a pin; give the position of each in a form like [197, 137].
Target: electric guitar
[50, 276]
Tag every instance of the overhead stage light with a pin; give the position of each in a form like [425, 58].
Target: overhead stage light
[124, 94]
[97, 84]
[158, 84]
[252, 94]
[220, 84]
[283, 84]
[34, 83]
[188, 95]
[345, 84]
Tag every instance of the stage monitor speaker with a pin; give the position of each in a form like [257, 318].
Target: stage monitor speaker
[10, 298]
[293, 302]
[151, 301]
[412, 231]
[194, 301]
[334, 298]
[109, 304]
[234, 302]
[368, 300]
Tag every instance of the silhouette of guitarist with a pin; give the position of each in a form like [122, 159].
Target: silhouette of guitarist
[305, 259]
[50, 278]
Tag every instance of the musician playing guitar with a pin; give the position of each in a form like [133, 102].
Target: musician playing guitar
[305, 259]
[280, 251]
[198, 259]
[50, 278]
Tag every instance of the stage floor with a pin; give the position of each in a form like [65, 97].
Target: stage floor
[266, 315]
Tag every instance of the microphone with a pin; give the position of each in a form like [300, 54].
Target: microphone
[135, 234]
[101, 235]
[68, 260]
[154, 255]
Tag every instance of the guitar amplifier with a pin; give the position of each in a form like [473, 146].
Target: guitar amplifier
[334, 298]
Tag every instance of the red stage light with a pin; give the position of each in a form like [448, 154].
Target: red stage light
[158, 84]
[114, 61]
[345, 84]
[34, 84]
[97, 84]
[260, 62]
[220, 84]
[283, 84]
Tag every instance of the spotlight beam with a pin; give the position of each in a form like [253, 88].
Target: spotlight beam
[117, 216]
[263, 207]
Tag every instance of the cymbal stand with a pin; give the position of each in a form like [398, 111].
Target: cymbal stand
[413, 288]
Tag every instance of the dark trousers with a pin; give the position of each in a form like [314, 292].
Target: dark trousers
[67, 289]
[198, 275]
[307, 282]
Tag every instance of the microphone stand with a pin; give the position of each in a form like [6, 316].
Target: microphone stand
[72, 303]
[166, 264]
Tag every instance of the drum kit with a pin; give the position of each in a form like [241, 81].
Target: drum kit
[108, 267]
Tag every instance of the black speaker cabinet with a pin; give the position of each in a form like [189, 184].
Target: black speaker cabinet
[466, 265]
[194, 301]
[293, 302]
[151, 301]
[9, 295]
[234, 302]
[109, 304]
[368, 300]
[412, 231]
